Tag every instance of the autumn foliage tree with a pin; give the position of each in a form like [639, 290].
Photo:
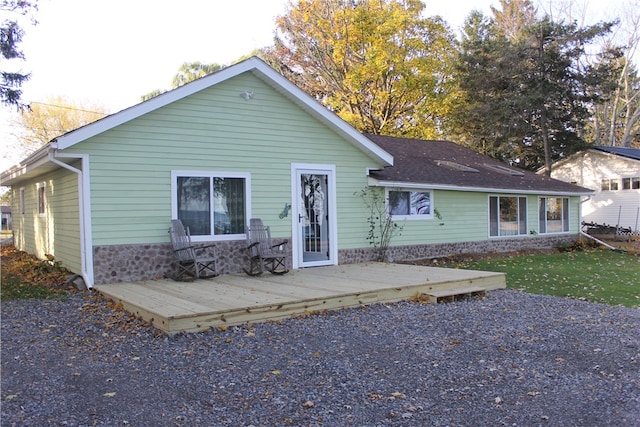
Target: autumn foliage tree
[55, 116]
[378, 64]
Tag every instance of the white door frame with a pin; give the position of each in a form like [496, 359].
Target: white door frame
[296, 234]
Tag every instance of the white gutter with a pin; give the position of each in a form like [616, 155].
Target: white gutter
[84, 202]
[411, 185]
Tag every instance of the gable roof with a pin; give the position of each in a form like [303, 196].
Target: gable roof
[258, 68]
[631, 153]
[447, 165]
[39, 161]
[623, 153]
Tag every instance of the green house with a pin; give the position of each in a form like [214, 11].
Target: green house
[247, 143]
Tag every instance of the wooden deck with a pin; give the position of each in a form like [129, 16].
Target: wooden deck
[237, 299]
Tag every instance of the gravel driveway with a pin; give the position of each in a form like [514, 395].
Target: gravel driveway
[509, 359]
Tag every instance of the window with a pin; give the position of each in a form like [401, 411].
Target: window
[554, 215]
[609, 185]
[406, 204]
[211, 204]
[23, 209]
[42, 203]
[507, 216]
[631, 183]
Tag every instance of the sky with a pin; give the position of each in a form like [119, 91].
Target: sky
[111, 52]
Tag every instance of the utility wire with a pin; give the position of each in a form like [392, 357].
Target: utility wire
[68, 108]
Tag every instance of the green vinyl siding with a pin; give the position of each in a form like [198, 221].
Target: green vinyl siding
[464, 218]
[216, 130]
[57, 232]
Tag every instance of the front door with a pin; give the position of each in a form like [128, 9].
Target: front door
[314, 216]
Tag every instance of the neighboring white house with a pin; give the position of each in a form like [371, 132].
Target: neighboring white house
[614, 173]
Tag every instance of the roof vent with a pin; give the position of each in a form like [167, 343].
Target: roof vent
[456, 166]
[505, 170]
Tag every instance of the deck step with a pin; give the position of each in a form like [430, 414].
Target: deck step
[448, 295]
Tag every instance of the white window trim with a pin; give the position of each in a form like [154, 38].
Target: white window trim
[526, 215]
[41, 186]
[430, 216]
[22, 201]
[545, 219]
[215, 174]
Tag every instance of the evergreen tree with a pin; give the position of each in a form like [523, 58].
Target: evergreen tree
[525, 97]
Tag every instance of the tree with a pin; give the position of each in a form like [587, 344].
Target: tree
[616, 117]
[188, 72]
[529, 86]
[10, 37]
[378, 64]
[44, 121]
[513, 16]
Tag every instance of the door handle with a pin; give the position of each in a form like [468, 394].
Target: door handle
[300, 218]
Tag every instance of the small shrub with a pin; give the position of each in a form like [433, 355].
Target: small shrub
[381, 227]
[580, 244]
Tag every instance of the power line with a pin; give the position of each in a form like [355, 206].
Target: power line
[68, 108]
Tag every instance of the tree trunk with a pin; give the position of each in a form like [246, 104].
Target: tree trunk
[545, 140]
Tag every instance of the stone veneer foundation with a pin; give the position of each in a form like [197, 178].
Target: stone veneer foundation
[130, 263]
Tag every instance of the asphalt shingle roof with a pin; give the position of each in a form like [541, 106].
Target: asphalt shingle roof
[442, 164]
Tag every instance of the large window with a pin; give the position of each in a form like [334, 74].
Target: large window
[405, 204]
[507, 216]
[211, 204]
[554, 215]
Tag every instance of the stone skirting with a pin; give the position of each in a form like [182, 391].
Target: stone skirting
[130, 263]
[436, 250]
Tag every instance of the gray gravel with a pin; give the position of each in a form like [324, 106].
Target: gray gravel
[509, 359]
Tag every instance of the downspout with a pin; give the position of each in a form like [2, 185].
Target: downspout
[86, 253]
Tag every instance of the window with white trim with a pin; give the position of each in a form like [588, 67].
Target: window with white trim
[632, 183]
[507, 216]
[410, 204]
[212, 204]
[553, 215]
[23, 208]
[609, 184]
[42, 200]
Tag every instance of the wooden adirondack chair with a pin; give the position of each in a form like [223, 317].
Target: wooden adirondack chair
[194, 261]
[264, 254]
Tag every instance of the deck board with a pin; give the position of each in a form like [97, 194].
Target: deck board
[237, 299]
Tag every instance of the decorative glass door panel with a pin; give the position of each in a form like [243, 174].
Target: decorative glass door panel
[314, 217]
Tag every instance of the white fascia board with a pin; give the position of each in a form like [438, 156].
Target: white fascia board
[109, 122]
[260, 69]
[311, 105]
[414, 185]
[35, 160]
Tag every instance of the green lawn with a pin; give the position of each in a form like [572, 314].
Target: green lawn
[599, 275]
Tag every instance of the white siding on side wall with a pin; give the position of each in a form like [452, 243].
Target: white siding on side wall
[613, 207]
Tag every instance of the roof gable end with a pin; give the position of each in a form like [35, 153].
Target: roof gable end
[260, 69]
